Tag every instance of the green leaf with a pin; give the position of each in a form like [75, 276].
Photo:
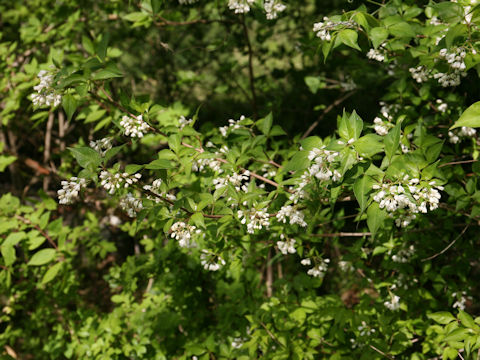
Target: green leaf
[102, 47]
[442, 317]
[361, 189]
[299, 161]
[51, 273]
[392, 140]
[197, 220]
[458, 334]
[467, 320]
[351, 127]
[349, 37]
[265, 124]
[136, 17]
[375, 218]
[42, 257]
[369, 145]
[86, 157]
[88, 45]
[449, 11]
[470, 117]
[5, 161]
[314, 83]
[106, 74]
[378, 35]
[159, 164]
[401, 30]
[69, 105]
[8, 253]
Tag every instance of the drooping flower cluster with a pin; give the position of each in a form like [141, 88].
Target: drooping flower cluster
[134, 126]
[319, 270]
[240, 6]
[441, 105]
[131, 205]
[70, 190]
[381, 127]
[295, 216]
[322, 29]
[404, 255]
[185, 234]
[287, 246]
[272, 8]
[254, 219]
[461, 300]
[210, 261]
[235, 179]
[155, 188]
[101, 146]
[183, 121]
[455, 136]
[420, 73]
[322, 161]
[456, 60]
[376, 54]
[411, 195]
[46, 94]
[112, 182]
[365, 330]
[393, 304]
[232, 125]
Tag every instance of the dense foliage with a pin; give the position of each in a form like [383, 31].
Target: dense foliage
[239, 179]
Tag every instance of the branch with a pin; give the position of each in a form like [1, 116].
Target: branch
[325, 112]
[449, 245]
[36, 227]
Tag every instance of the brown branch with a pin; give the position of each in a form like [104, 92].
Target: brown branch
[269, 277]
[343, 234]
[457, 162]
[47, 147]
[381, 352]
[325, 112]
[449, 245]
[36, 227]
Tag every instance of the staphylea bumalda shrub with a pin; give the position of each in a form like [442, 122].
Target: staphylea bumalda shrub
[183, 234]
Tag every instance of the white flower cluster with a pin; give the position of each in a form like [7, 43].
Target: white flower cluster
[112, 182]
[365, 329]
[240, 6]
[441, 105]
[101, 146]
[323, 159]
[131, 205]
[207, 259]
[409, 195]
[272, 8]
[381, 127]
[286, 247]
[375, 54]
[319, 269]
[254, 219]
[393, 304]
[183, 121]
[295, 216]
[70, 190]
[456, 60]
[404, 255]
[46, 94]
[420, 73]
[155, 188]
[232, 125]
[455, 136]
[184, 233]
[200, 164]
[134, 127]
[322, 29]
[460, 303]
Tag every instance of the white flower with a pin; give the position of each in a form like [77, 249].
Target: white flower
[287, 247]
[272, 8]
[254, 219]
[112, 182]
[306, 262]
[70, 190]
[101, 146]
[232, 125]
[420, 74]
[323, 159]
[134, 127]
[131, 205]
[365, 329]
[295, 216]
[322, 29]
[393, 304]
[240, 6]
[320, 269]
[441, 106]
[46, 93]
[380, 127]
[184, 233]
[375, 55]
[184, 122]
[207, 259]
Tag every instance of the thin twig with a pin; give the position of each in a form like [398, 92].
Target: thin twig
[457, 162]
[380, 352]
[449, 245]
[325, 112]
[343, 234]
[271, 334]
[269, 277]
[36, 227]
[47, 147]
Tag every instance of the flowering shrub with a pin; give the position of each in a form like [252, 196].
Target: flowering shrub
[285, 234]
